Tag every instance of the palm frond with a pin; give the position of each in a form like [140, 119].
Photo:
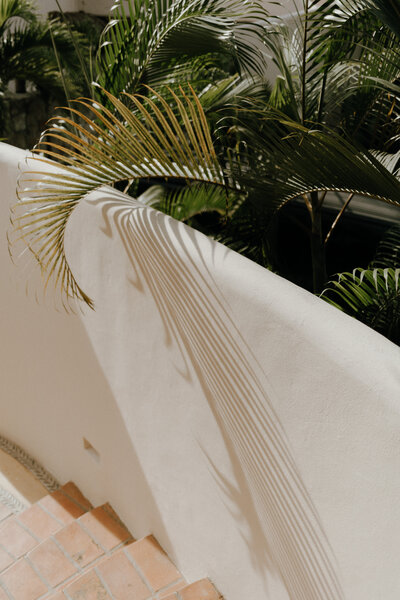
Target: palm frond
[232, 91]
[199, 70]
[388, 250]
[27, 53]
[371, 99]
[250, 232]
[335, 46]
[141, 40]
[187, 202]
[305, 56]
[388, 11]
[292, 160]
[361, 35]
[102, 148]
[286, 54]
[372, 296]
[389, 160]
[10, 9]
[338, 28]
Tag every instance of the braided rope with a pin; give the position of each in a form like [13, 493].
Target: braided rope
[10, 501]
[15, 451]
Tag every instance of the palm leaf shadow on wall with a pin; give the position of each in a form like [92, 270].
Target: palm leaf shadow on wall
[165, 256]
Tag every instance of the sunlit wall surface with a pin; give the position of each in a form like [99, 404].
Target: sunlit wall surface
[251, 427]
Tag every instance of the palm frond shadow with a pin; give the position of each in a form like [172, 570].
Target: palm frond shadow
[239, 501]
[168, 262]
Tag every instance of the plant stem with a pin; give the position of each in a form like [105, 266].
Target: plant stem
[322, 97]
[345, 205]
[66, 92]
[304, 65]
[77, 50]
[318, 257]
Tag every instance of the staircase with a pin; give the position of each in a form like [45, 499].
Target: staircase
[61, 548]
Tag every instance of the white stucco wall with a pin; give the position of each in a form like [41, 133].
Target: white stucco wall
[45, 6]
[253, 428]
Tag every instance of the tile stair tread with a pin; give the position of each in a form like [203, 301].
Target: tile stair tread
[20, 533]
[61, 548]
[106, 529]
[199, 590]
[139, 568]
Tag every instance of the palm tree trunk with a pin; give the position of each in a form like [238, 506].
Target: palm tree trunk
[318, 257]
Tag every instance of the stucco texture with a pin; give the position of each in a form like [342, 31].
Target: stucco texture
[250, 426]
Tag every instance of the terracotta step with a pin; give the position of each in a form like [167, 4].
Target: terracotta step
[200, 590]
[22, 532]
[139, 571]
[54, 542]
[63, 549]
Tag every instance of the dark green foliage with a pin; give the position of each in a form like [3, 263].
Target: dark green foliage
[27, 48]
[328, 123]
[373, 295]
[388, 250]
[157, 42]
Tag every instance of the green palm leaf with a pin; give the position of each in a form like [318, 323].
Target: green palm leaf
[366, 32]
[189, 201]
[27, 53]
[229, 93]
[305, 57]
[335, 48]
[388, 250]
[388, 11]
[141, 40]
[9, 9]
[105, 147]
[372, 296]
[292, 160]
[249, 231]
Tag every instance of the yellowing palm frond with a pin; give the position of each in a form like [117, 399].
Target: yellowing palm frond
[94, 147]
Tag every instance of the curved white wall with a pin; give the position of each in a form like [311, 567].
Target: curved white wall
[253, 428]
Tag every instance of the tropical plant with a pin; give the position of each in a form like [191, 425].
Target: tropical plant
[27, 47]
[372, 295]
[175, 42]
[388, 251]
[328, 65]
[171, 118]
[161, 141]
[230, 139]
[328, 119]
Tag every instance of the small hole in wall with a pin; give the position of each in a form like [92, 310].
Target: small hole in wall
[91, 450]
